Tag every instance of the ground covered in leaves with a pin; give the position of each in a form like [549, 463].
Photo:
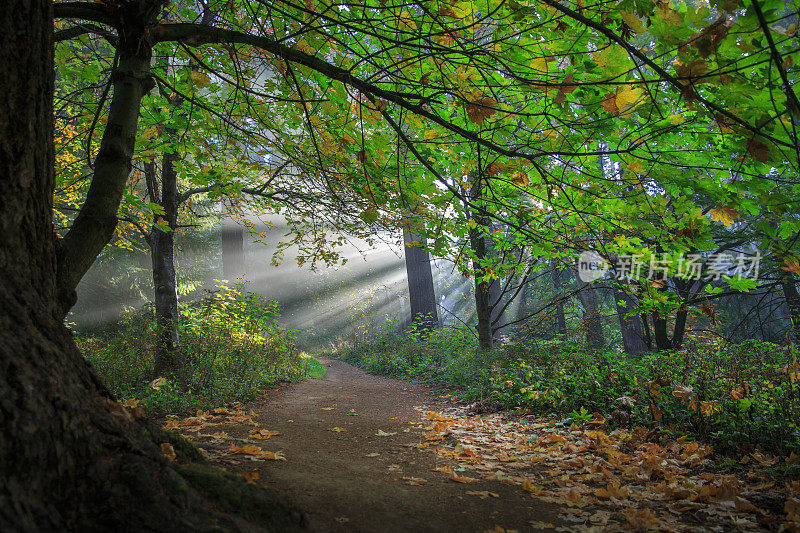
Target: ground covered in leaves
[360, 452]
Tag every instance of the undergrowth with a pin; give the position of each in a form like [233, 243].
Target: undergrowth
[740, 399]
[230, 347]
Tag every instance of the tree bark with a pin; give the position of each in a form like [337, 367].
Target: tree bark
[422, 296]
[96, 222]
[789, 286]
[477, 242]
[633, 341]
[561, 320]
[165, 281]
[589, 298]
[72, 459]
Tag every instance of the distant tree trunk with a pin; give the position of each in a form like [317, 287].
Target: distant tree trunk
[561, 320]
[789, 286]
[633, 341]
[162, 253]
[421, 292]
[590, 300]
[232, 251]
[495, 287]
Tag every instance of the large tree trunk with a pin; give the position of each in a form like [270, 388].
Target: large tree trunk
[420, 282]
[633, 341]
[94, 226]
[72, 459]
[495, 287]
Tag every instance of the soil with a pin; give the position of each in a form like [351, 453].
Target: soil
[347, 477]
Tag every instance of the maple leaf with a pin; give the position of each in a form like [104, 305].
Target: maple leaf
[792, 265]
[683, 391]
[480, 110]
[520, 179]
[609, 103]
[627, 98]
[410, 480]
[724, 214]
[759, 150]
[157, 383]
[382, 433]
[642, 519]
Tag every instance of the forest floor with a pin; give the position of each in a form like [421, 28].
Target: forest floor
[360, 452]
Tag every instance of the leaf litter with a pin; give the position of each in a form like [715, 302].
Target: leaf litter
[613, 480]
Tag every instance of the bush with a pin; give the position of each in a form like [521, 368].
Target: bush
[231, 346]
[743, 397]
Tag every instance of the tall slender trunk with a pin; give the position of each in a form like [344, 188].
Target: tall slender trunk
[590, 300]
[94, 226]
[633, 340]
[232, 251]
[477, 242]
[561, 320]
[165, 282]
[789, 286]
[422, 296]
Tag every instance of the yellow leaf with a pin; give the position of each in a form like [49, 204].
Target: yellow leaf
[633, 22]
[157, 383]
[724, 214]
[628, 97]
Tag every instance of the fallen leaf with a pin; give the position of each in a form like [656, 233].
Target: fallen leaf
[168, 451]
[483, 494]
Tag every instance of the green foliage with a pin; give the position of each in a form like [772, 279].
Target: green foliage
[230, 348]
[739, 398]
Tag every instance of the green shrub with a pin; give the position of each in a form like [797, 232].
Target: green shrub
[231, 346]
[740, 398]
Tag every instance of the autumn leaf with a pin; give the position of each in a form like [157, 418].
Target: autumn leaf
[792, 265]
[724, 214]
[628, 98]
[461, 479]
[609, 103]
[483, 494]
[168, 451]
[251, 477]
[520, 179]
[382, 433]
[199, 79]
[157, 383]
[480, 110]
[410, 480]
[337, 429]
[683, 392]
[759, 150]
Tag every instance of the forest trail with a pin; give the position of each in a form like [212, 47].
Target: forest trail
[352, 462]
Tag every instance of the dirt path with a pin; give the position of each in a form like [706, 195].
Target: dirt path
[348, 477]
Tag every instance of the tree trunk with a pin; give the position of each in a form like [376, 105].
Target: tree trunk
[589, 298]
[561, 320]
[72, 459]
[420, 283]
[633, 341]
[661, 334]
[232, 251]
[792, 297]
[495, 288]
[165, 282]
[94, 226]
[477, 242]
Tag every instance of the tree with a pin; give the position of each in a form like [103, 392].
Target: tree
[72, 457]
[420, 282]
